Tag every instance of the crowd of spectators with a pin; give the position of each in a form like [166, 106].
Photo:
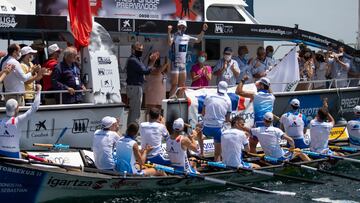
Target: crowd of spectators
[20, 72]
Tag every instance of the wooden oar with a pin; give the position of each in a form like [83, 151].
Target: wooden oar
[261, 172]
[322, 171]
[345, 149]
[330, 156]
[52, 146]
[217, 181]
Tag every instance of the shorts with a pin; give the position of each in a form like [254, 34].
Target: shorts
[246, 164]
[316, 155]
[299, 143]
[213, 132]
[182, 169]
[286, 157]
[159, 159]
[178, 68]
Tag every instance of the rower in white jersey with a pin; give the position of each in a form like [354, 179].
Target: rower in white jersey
[233, 141]
[320, 128]
[294, 123]
[129, 158]
[353, 128]
[11, 125]
[216, 110]
[263, 101]
[178, 144]
[180, 42]
[152, 133]
[269, 138]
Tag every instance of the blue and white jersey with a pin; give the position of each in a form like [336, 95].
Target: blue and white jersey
[294, 124]
[353, 128]
[103, 147]
[181, 43]
[152, 133]
[10, 131]
[232, 143]
[319, 135]
[216, 108]
[125, 158]
[269, 138]
[263, 103]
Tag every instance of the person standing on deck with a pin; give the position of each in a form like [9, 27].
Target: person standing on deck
[263, 101]
[129, 158]
[233, 141]
[243, 59]
[353, 128]
[227, 69]
[136, 70]
[216, 110]
[269, 138]
[152, 133]
[320, 128]
[180, 42]
[10, 126]
[294, 123]
[177, 146]
[104, 142]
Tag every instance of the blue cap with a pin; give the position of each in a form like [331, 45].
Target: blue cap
[228, 49]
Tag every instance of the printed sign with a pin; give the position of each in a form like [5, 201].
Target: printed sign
[7, 21]
[131, 9]
[22, 7]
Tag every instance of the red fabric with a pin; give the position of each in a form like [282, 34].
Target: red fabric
[241, 104]
[46, 80]
[80, 21]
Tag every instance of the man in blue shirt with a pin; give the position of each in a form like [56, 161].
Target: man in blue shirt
[66, 76]
[136, 70]
[243, 61]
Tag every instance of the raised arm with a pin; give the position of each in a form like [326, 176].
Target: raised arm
[6, 71]
[170, 39]
[34, 106]
[202, 33]
[240, 90]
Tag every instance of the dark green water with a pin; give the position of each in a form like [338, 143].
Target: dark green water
[335, 190]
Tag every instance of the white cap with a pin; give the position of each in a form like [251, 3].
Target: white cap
[269, 116]
[11, 106]
[108, 121]
[27, 50]
[178, 124]
[53, 48]
[182, 22]
[265, 81]
[222, 87]
[357, 110]
[295, 102]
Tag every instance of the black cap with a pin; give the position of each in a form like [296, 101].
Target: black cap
[227, 49]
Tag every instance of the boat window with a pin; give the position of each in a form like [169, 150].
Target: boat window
[223, 13]
[212, 48]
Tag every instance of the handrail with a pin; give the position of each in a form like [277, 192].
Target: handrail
[47, 92]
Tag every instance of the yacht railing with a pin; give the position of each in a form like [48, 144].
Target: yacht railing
[61, 92]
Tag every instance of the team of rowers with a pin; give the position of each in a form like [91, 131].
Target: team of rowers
[229, 143]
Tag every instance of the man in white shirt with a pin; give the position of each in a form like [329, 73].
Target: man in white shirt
[340, 67]
[233, 141]
[353, 128]
[227, 69]
[15, 81]
[10, 126]
[216, 111]
[180, 43]
[104, 142]
[152, 133]
[294, 123]
[269, 138]
[320, 132]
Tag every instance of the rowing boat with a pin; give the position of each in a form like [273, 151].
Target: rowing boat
[27, 181]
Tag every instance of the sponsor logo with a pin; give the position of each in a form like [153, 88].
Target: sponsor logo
[39, 125]
[106, 83]
[55, 182]
[348, 104]
[7, 21]
[3, 8]
[104, 71]
[126, 25]
[80, 125]
[223, 29]
[6, 134]
[104, 60]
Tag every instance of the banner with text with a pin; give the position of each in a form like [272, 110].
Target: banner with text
[132, 9]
